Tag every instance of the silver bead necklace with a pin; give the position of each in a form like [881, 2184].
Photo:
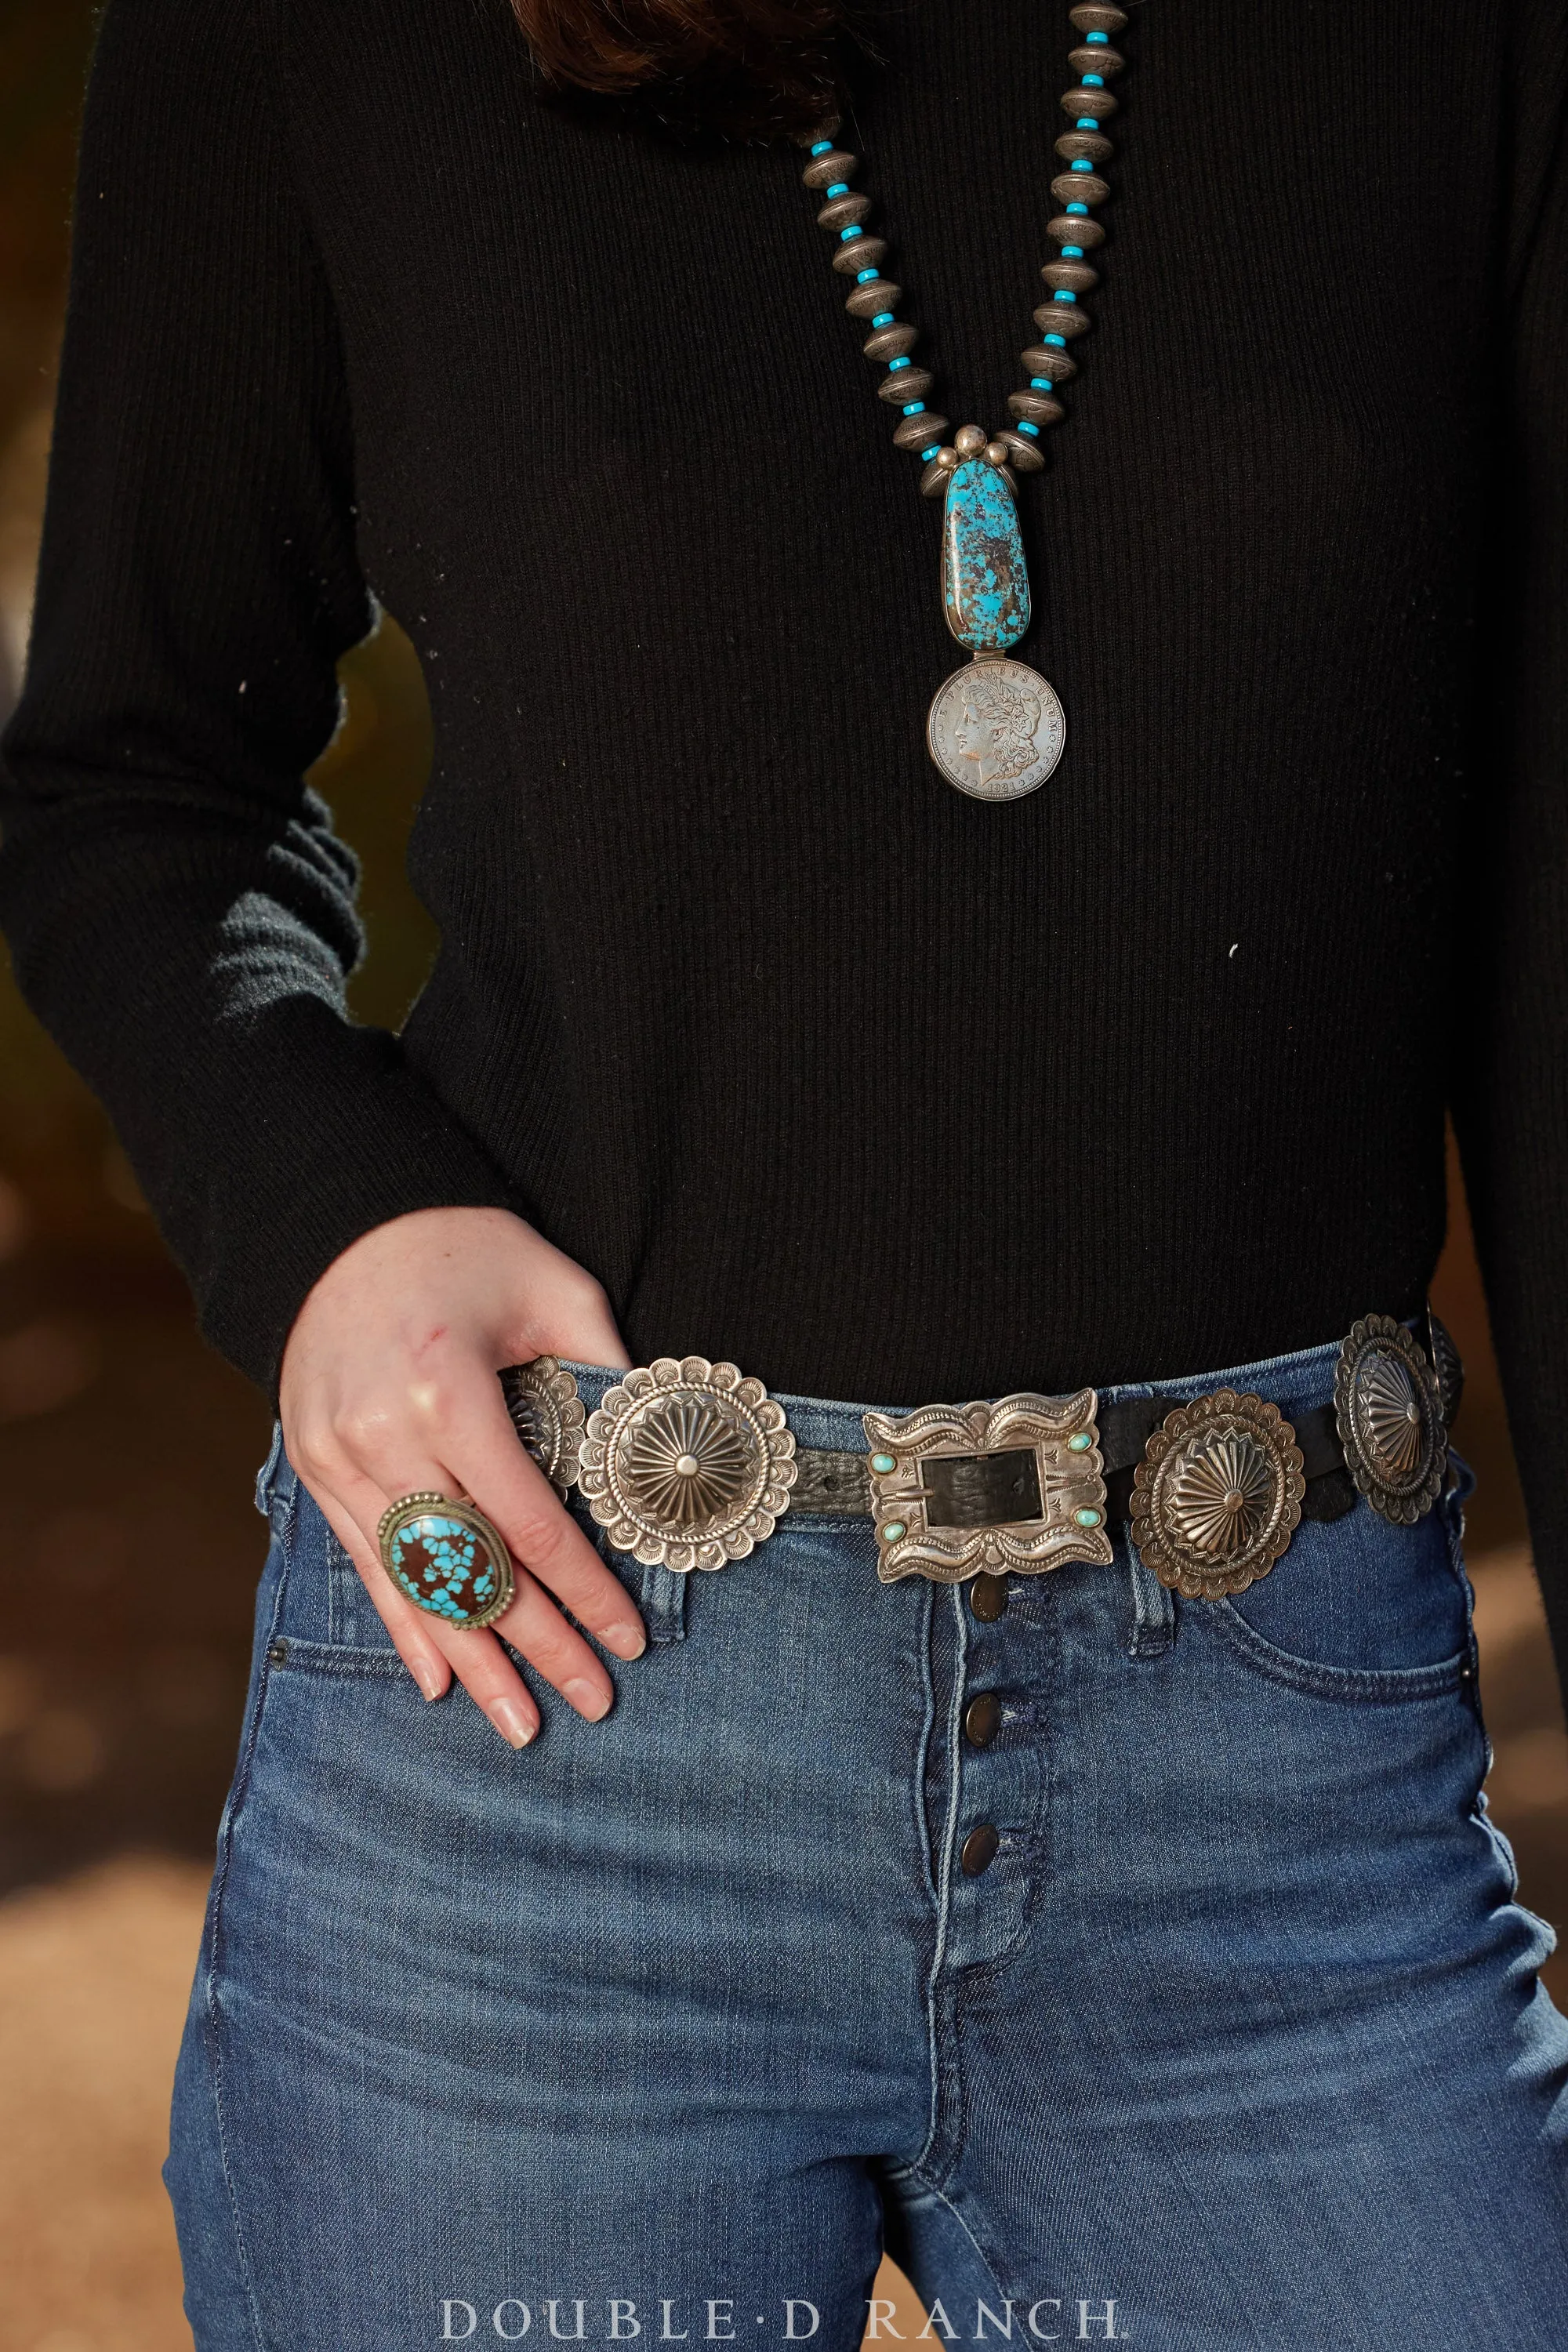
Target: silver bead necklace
[997, 728]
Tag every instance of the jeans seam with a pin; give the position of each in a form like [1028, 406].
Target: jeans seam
[212, 2008]
[922, 1818]
[944, 1872]
[923, 2180]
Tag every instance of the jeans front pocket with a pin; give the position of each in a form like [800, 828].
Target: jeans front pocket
[1360, 1608]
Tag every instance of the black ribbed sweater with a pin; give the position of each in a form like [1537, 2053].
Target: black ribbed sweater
[882, 1092]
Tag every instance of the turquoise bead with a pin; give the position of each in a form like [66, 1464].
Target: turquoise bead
[883, 318]
[1080, 1443]
[984, 578]
[882, 1464]
[1024, 425]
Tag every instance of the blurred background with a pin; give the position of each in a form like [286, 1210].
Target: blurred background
[120, 1432]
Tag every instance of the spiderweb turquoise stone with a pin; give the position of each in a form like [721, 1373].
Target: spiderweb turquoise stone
[445, 1567]
[985, 579]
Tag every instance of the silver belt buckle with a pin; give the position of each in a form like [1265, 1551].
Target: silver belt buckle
[1059, 1485]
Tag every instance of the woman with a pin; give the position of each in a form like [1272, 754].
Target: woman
[1050, 1839]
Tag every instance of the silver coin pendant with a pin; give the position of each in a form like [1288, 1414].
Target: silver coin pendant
[996, 728]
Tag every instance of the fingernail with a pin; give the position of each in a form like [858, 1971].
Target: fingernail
[426, 1676]
[509, 1720]
[588, 1699]
[627, 1640]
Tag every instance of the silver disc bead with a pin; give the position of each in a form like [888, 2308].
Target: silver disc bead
[827, 128]
[860, 252]
[1075, 276]
[1083, 146]
[1044, 359]
[869, 301]
[1093, 17]
[1061, 318]
[890, 343]
[919, 432]
[1037, 406]
[1023, 453]
[908, 384]
[842, 211]
[1080, 188]
[933, 480]
[1079, 101]
[1075, 228]
[827, 171]
[1106, 61]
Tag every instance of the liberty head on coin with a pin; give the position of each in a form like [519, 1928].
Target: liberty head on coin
[996, 730]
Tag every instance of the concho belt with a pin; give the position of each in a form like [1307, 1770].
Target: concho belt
[689, 1464]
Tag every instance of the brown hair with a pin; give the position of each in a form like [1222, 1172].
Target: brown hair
[754, 67]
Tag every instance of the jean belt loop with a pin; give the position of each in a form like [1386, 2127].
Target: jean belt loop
[1153, 1627]
[267, 1477]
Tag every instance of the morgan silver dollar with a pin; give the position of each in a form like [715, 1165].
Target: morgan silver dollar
[996, 728]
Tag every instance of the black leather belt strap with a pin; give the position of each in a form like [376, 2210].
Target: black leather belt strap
[984, 1490]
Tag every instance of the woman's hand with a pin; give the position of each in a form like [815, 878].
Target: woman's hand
[389, 1387]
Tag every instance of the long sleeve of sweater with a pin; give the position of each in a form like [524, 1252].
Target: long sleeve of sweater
[182, 913]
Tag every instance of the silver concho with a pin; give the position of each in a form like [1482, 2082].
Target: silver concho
[1068, 1487]
[996, 728]
[1448, 1365]
[686, 1464]
[1390, 1417]
[1217, 1495]
[548, 1415]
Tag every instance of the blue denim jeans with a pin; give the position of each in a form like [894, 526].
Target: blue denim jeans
[666, 2025]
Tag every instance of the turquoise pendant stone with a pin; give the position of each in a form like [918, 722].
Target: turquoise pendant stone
[451, 1562]
[985, 579]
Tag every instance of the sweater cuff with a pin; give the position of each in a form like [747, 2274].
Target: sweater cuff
[300, 1199]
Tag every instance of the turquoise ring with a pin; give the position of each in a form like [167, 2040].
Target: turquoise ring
[447, 1558]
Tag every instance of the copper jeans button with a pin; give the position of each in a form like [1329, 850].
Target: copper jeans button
[979, 1850]
[982, 1719]
[989, 1597]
